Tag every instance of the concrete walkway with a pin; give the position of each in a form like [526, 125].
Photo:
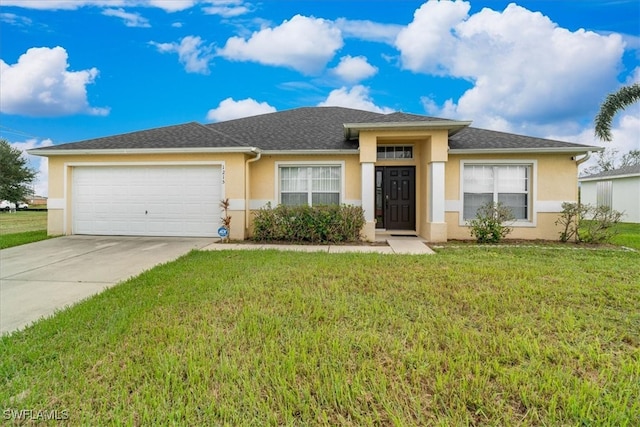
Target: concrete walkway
[402, 245]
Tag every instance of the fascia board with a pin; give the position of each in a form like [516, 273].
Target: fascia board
[134, 151]
[308, 152]
[541, 150]
[607, 178]
[453, 126]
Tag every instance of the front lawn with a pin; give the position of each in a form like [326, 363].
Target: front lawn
[628, 234]
[21, 227]
[472, 335]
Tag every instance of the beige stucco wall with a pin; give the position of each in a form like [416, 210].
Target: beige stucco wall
[263, 178]
[428, 146]
[60, 220]
[554, 180]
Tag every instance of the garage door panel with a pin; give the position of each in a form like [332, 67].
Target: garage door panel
[147, 200]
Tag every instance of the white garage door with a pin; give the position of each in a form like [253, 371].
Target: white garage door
[147, 200]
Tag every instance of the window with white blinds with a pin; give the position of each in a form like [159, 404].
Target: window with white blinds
[506, 184]
[310, 185]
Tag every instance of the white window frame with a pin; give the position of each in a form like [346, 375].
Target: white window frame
[278, 165]
[533, 187]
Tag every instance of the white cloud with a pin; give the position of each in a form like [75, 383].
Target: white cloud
[61, 4]
[40, 85]
[130, 19]
[191, 53]
[230, 109]
[40, 164]
[428, 41]
[369, 30]
[166, 5]
[227, 8]
[625, 132]
[357, 97]
[17, 20]
[302, 43]
[525, 69]
[353, 69]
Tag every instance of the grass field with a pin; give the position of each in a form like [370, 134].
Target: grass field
[22, 227]
[471, 336]
[628, 235]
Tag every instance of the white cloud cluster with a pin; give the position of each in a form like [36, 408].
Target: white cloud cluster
[230, 109]
[357, 97]
[227, 8]
[40, 85]
[17, 20]
[167, 5]
[192, 53]
[354, 69]
[302, 43]
[130, 19]
[523, 66]
[60, 4]
[368, 30]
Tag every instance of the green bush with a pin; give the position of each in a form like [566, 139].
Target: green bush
[601, 228]
[569, 219]
[587, 223]
[318, 224]
[489, 224]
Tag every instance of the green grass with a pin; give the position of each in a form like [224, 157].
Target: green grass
[472, 335]
[22, 227]
[628, 235]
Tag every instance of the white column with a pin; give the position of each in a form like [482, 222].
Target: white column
[436, 192]
[368, 194]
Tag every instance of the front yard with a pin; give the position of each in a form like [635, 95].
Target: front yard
[19, 228]
[495, 336]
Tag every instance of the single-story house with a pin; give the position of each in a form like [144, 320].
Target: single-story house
[618, 189]
[409, 173]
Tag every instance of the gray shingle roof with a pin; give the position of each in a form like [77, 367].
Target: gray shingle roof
[482, 139]
[188, 135]
[310, 128]
[627, 170]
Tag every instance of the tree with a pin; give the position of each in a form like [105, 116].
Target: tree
[632, 158]
[15, 175]
[613, 103]
[606, 161]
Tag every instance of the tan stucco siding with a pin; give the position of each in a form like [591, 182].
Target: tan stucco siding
[61, 180]
[554, 181]
[263, 178]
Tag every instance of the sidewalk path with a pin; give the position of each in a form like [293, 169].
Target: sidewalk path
[403, 246]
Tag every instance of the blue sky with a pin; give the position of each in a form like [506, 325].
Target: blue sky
[79, 69]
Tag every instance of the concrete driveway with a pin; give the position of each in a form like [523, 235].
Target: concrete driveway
[39, 278]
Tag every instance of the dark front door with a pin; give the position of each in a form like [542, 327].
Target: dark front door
[396, 197]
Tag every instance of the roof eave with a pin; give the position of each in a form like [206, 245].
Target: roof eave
[352, 130]
[598, 178]
[569, 150]
[310, 152]
[133, 151]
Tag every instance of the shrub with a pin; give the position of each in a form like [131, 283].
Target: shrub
[570, 218]
[600, 228]
[489, 224]
[318, 224]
